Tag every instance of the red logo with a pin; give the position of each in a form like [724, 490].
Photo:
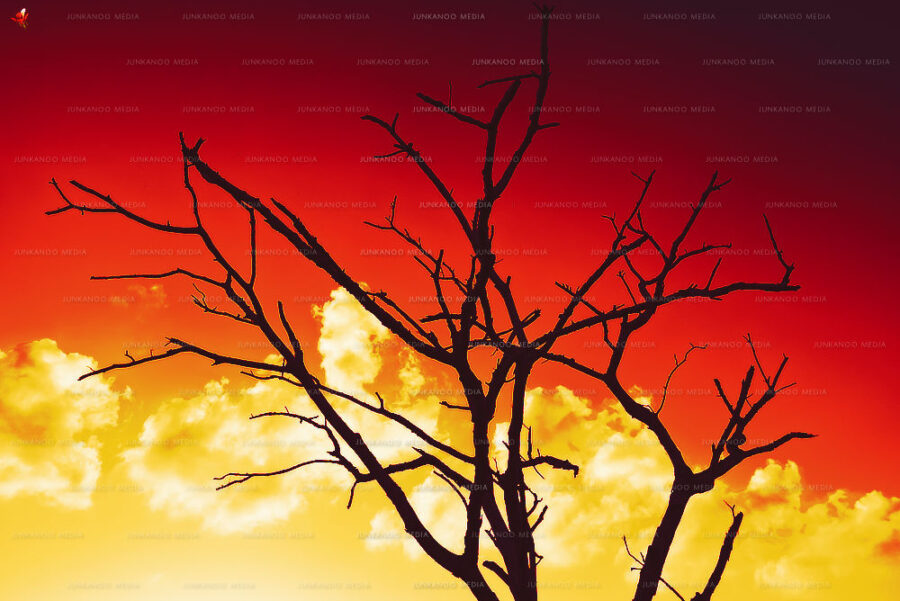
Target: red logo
[21, 19]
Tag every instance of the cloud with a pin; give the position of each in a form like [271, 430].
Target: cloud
[187, 441]
[792, 542]
[835, 548]
[360, 357]
[622, 483]
[791, 545]
[620, 489]
[148, 297]
[347, 342]
[439, 508]
[49, 423]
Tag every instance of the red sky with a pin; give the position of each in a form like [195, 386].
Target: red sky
[98, 95]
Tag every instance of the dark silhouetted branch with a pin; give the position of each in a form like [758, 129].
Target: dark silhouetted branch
[724, 555]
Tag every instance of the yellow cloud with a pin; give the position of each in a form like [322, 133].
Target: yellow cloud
[49, 423]
[187, 441]
[833, 548]
[790, 547]
[794, 543]
[354, 354]
[440, 509]
[347, 342]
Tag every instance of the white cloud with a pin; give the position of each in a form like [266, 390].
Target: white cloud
[347, 342]
[790, 546]
[787, 548]
[49, 423]
[187, 441]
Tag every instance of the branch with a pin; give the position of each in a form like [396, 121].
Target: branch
[406, 148]
[296, 233]
[655, 302]
[554, 462]
[247, 318]
[640, 563]
[184, 347]
[111, 207]
[446, 108]
[152, 276]
[534, 125]
[240, 477]
[724, 556]
[496, 569]
[133, 362]
[678, 363]
[403, 421]
[787, 268]
[616, 251]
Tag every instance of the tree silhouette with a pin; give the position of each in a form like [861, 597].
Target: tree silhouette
[488, 314]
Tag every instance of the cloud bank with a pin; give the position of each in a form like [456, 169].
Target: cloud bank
[50, 424]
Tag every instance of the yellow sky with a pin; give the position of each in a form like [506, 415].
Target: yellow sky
[101, 501]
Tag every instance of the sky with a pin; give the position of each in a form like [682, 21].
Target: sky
[110, 479]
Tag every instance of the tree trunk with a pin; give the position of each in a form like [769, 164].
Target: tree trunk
[652, 569]
[524, 587]
[522, 561]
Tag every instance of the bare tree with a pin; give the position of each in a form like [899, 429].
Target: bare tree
[497, 500]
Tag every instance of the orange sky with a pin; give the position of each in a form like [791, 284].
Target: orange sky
[102, 100]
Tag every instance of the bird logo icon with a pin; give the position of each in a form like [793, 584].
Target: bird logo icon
[21, 18]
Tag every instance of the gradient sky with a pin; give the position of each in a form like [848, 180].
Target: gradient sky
[797, 105]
